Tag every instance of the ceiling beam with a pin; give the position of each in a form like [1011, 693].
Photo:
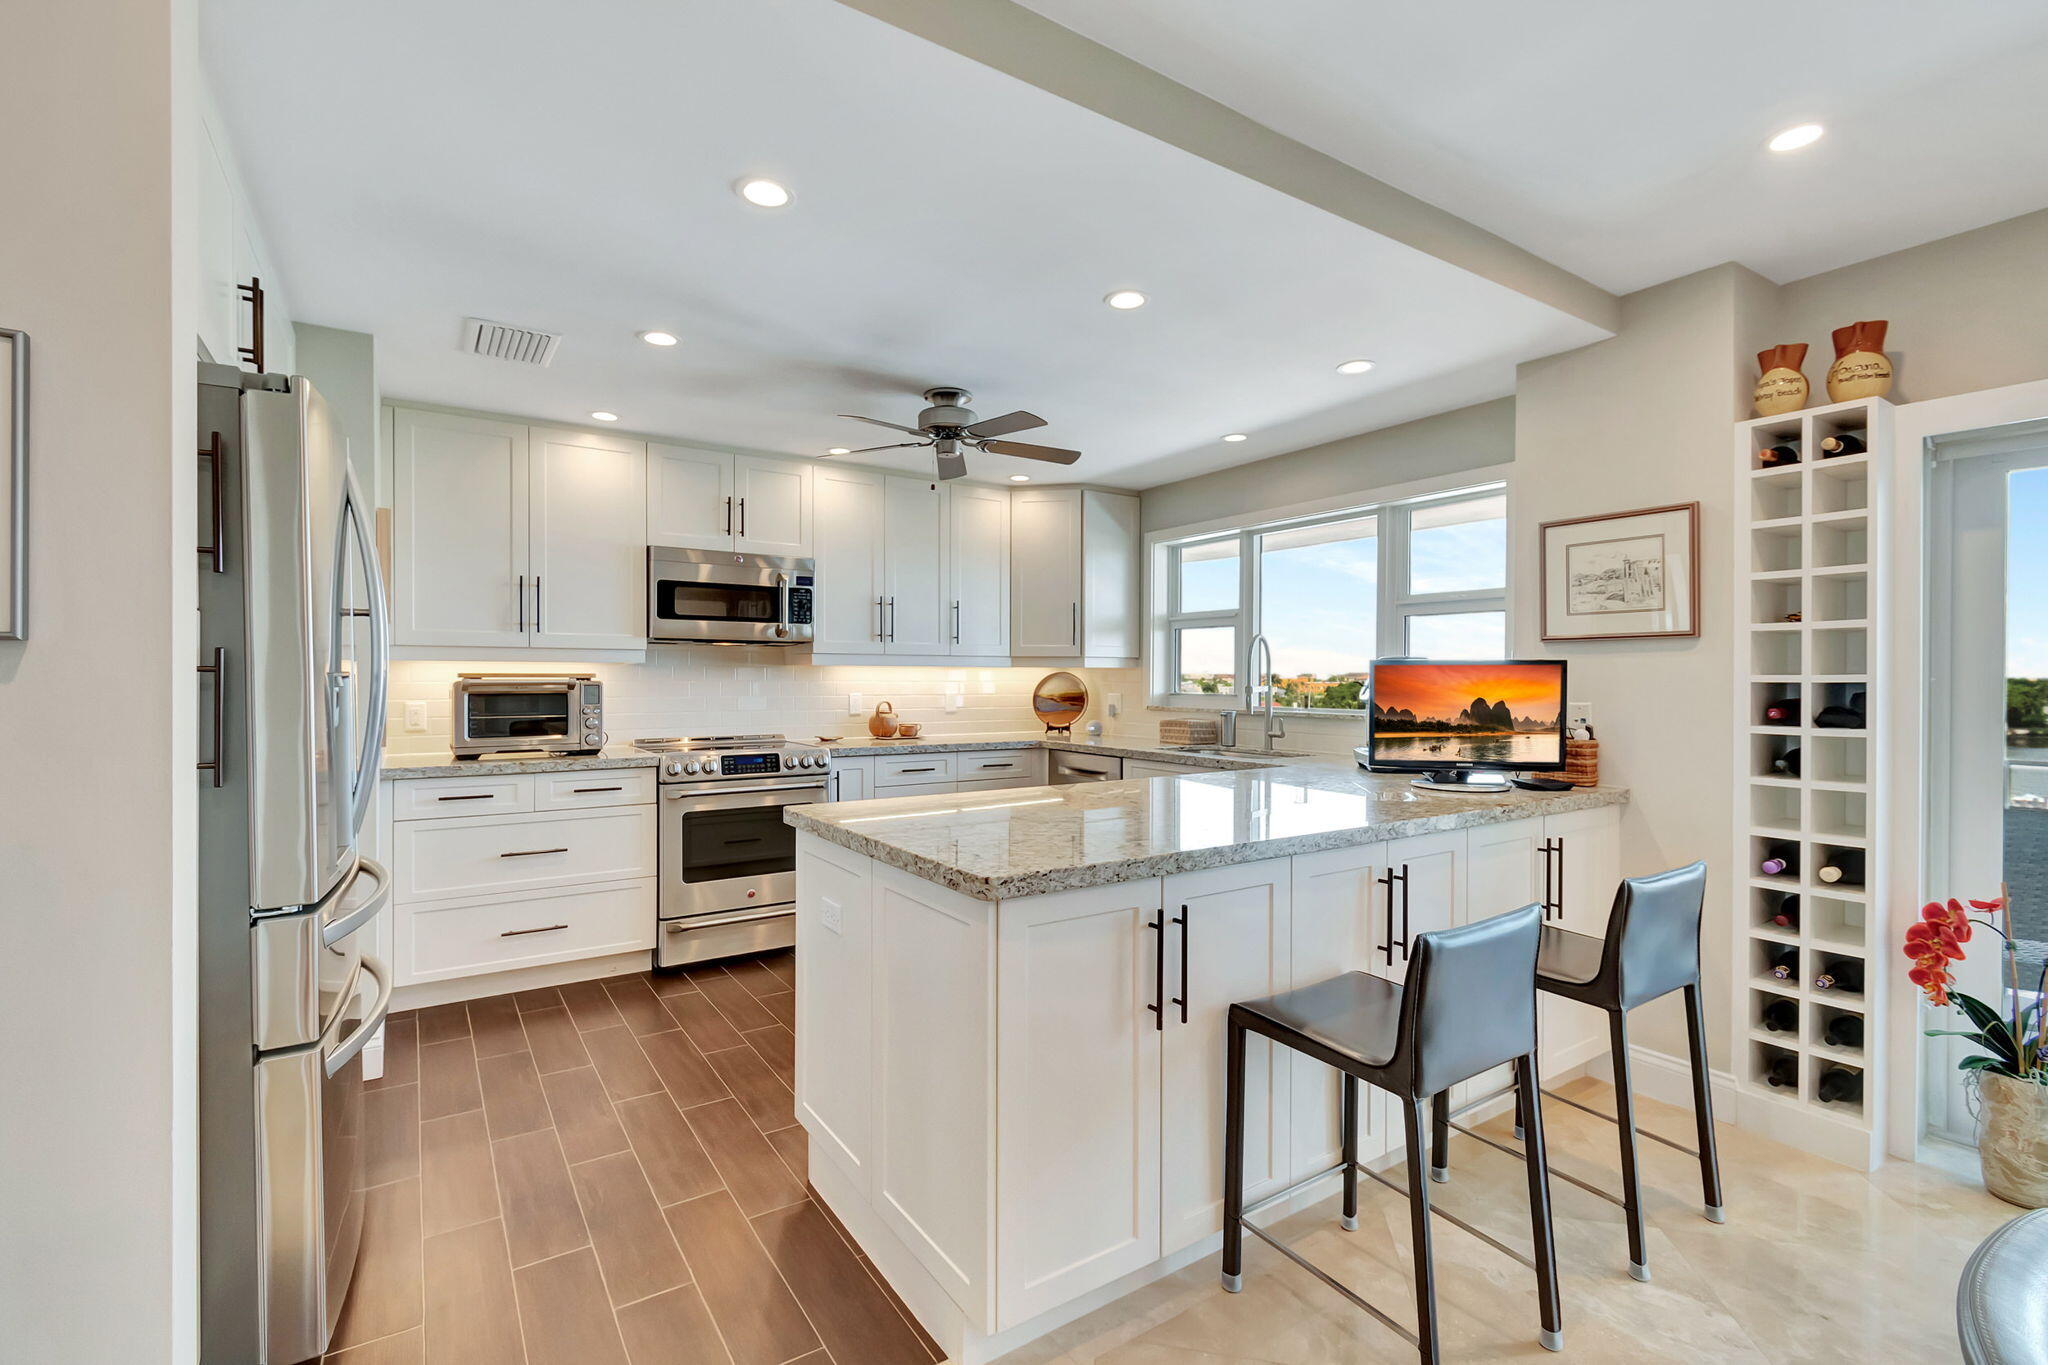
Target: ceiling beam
[1026, 45]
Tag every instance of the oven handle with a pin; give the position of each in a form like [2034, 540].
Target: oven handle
[673, 792]
[677, 926]
[781, 595]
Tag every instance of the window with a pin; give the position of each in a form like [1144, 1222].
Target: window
[1332, 593]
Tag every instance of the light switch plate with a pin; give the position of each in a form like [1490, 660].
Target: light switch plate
[1115, 702]
[415, 717]
[954, 701]
[854, 706]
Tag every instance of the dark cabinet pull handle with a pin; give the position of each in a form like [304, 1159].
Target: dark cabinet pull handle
[537, 627]
[728, 516]
[916, 770]
[1560, 877]
[1553, 858]
[537, 929]
[533, 852]
[995, 765]
[1158, 1005]
[1182, 999]
[219, 669]
[216, 550]
[519, 594]
[580, 790]
[1405, 945]
[253, 293]
[1074, 627]
[472, 796]
[1387, 948]
[743, 516]
[956, 620]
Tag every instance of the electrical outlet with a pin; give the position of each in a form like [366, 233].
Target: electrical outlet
[415, 717]
[954, 701]
[829, 915]
[853, 705]
[1115, 703]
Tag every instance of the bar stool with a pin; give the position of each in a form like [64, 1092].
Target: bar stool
[1651, 948]
[1469, 1005]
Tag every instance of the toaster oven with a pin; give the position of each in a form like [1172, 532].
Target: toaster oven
[550, 713]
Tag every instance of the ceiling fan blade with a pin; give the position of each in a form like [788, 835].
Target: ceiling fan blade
[876, 421]
[900, 445]
[952, 466]
[1031, 452]
[1005, 424]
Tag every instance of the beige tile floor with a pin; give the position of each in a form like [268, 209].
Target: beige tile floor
[1815, 1263]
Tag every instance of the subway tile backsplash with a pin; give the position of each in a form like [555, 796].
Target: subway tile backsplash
[708, 689]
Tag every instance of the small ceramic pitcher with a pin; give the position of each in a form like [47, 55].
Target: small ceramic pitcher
[882, 724]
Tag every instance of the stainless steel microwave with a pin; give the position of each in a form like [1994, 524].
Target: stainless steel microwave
[717, 597]
[501, 713]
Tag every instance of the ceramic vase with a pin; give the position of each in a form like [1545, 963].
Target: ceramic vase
[1861, 368]
[2012, 1139]
[882, 724]
[1781, 386]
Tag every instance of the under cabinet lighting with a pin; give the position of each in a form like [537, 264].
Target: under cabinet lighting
[839, 450]
[1792, 139]
[604, 417]
[659, 338]
[1020, 478]
[1235, 436]
[1354, 367]
[763, 193]
[1125, 299]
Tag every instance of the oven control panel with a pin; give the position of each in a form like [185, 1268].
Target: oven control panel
[749, 765]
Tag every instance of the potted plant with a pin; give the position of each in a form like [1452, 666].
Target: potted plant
[2011, 1071]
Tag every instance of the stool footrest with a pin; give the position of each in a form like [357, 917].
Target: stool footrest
[1567, 1178]
[1640, 1132]
[1291, 1254]
[1453, 1220]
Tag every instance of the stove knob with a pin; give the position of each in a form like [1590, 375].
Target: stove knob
[824, 760]
[803, 761]
[693, 767]
[675, 768]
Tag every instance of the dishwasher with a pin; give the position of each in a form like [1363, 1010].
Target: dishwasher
[1069, 769]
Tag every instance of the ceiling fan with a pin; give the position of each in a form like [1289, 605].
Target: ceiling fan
[949, 424]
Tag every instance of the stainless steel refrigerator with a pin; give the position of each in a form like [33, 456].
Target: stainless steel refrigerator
[293, 656]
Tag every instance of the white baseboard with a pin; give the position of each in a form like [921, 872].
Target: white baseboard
[427, 993]
[1661, 1076]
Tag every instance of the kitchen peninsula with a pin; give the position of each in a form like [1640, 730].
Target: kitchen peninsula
[1011, 1007]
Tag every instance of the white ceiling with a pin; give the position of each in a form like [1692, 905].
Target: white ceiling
[415, 164]
[1623, 140]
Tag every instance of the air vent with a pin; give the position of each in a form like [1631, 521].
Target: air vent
[502, 341]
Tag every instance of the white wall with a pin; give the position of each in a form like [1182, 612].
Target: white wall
[97, 1170]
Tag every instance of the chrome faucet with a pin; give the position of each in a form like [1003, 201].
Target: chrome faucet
[1255, 680]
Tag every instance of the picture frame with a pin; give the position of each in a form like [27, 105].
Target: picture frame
[13, 484]
[1622, 575]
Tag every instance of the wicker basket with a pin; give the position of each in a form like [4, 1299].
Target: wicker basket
[1582, 762]
[1190, 732]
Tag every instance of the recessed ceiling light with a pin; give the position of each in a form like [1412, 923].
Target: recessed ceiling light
[604, 417]
[763, 193]
[839, 450]
[1792, 139]
[1125, 299]
[659, 338]
[1020, 478]
[1235, 436]
[1354, 367]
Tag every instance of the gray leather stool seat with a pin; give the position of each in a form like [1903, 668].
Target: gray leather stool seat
[2002, 1302]
[1468, 1005]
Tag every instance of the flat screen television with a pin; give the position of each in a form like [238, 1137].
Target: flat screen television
[1462, 722]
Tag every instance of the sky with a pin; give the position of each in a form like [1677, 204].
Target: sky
[1441, 691]
[1321, 602]
[2026, 567]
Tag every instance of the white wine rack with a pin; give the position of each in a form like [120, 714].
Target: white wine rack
[1809, 606]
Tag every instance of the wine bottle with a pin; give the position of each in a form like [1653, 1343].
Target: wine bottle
[1839, 1085]
[1777, 456]
[1782, 1071]
[1841, 443]
[1844, 866]
[1787, 763]
[1784, 963]
[1780, 860]
[1782, 713]
[1843, 974]
[1781, 1016]
[1787, 913]
[1844, 1030]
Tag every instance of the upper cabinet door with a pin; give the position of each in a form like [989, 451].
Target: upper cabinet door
[978, 570]
[849, 553]
[690, 498]
[459, 530]
[588, 551]
[1045, 572]
[914, 578]
[772, 507]
[1111, 611]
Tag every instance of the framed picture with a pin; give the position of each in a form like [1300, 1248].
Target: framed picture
[13, 484]
[1622, 575]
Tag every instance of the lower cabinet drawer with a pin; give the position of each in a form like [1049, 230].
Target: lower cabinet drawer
[438, 798]
[997, 784]
[440, 859]
[984, 766]
[441, 939]
[913, 769]
[585, 790]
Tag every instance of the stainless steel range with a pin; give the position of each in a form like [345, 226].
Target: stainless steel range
[728, 862]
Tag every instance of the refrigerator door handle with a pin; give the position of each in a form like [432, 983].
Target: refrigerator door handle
[372, 1020]
[334, 932]
[369, 761]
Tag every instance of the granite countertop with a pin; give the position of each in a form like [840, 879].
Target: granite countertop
[448, 765]
[1032, 840]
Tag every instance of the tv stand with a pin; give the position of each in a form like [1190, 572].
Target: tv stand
[1464, 780]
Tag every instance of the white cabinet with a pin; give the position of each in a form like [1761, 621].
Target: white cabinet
[1587, 859]
[1227, 936]
[1078, 1149]
[978, 570]
[1422, 887]
[587, 553]
[514, 537]
[852, 778]
[1145, 767]
[914, 566]
[702, 499]
[1337, 899]
[1026, 766]
[850, 557]
[1074, 576]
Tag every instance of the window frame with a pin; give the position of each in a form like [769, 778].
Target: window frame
[1396, 603]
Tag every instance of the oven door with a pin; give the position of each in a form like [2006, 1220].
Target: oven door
[742, 600]
[493, 717]
[729, 849]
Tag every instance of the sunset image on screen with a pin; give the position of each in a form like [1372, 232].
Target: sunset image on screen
[1503, 714]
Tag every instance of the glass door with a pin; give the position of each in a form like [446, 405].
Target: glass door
[1988, 710]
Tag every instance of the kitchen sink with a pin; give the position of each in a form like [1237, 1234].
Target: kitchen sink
[1219, 751]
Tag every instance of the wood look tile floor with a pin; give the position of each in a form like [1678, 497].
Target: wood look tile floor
[606, 1173]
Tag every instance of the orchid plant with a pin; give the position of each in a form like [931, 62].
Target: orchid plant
[2016, 1043]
